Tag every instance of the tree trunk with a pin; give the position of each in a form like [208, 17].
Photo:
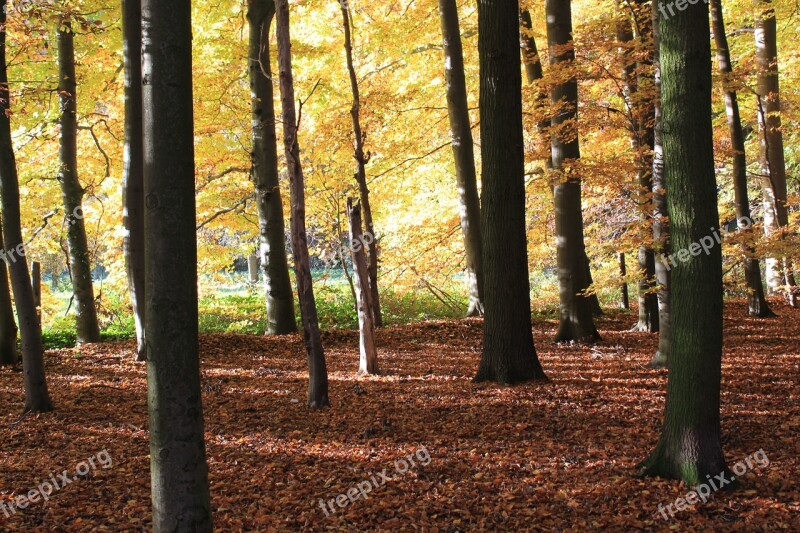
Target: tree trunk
[756, 302]
[37, 397]
[508, 354]
[641, 130]
[36, 284]
[373, 248]
[597, 310]
[132, 173]
[278, 295]
[577, 323]
[690, 447]
[368, 361]
[463, 153]
[317, 371]
[661, 245]
[623, 271]
[179, 472]
[534, 72]
[8, 326]
[773, 165]
[88, 329]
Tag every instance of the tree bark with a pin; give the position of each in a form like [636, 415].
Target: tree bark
[534, 72]
[132, 171]
[317, 371]
[373, 249]
[463, 152]
[37, 398]
[690, 446]
[641, 131]
[756, 302]
[508, 354]
[661, 246]
[278, 295]
[368, 360]
[576, 323]
[179, 472]
[779, 272]
[623, 271]
[88, 329]
[8, 326]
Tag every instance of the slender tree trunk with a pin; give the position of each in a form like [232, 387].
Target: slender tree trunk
[534, 73]
[577, 323]
[88, 328]
[641, 130]
[37, 397]
[779, 271]
[597, 310]
[756, 302]
[317, 371]
[179, 472]
[368, 360]
[132, 172]
[661, 244]
[8, 326]
[264, 173]
[359, 136]
[508, 354]
[463, 153]
[36, 283]
[623, 271]
[690, 446]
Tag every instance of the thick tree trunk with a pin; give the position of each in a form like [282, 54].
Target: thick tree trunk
[372, 249]
[317, 371]
[773, 165]
[37, 397]
[577, 323]
[690, 447]
[508, 354]
[368, 360]
[88, 329]
[132, 171]
[756, 302]
[264, 173]
[623, 271]
[8, 326]
[463, 152]
[661, 245]
[179, 472]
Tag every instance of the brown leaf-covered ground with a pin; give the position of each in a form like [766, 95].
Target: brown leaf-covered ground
[549, 457]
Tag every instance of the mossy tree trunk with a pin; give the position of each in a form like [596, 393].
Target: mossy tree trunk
[690, 446]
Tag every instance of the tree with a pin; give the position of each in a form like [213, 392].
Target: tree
[368, 354]
[132, 171]
[463, 154]
[317, 371]
[756, 302]
[576, 323]
[637, 89]
[264, 173]
[37, 398]
[660, 213]
[178, 467]
[509, 355]
[773, 164]
[359, 135]
[80, 265]
[8, 326]
[690, 447]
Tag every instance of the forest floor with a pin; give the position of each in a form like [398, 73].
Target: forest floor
[550, 457]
